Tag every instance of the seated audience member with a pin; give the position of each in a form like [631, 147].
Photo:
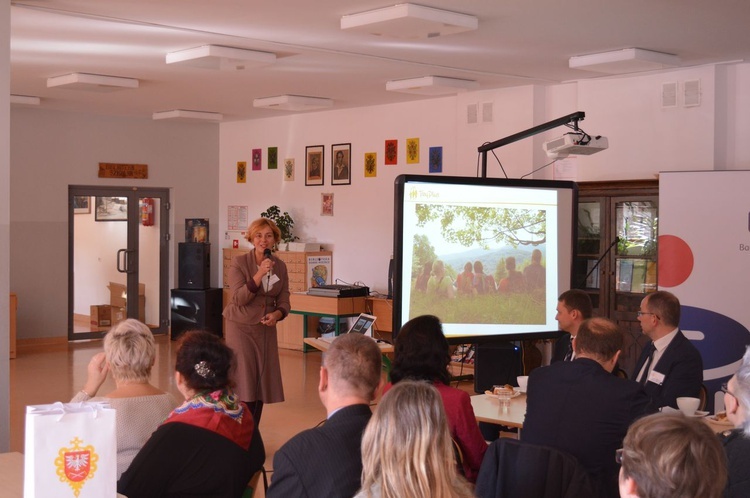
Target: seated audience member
[465, 281]
[573, 307]
[514, 282]
[327, 460]
[422, 353]
[580, 408]
[534, 273]
[737, 441]
[128, 355]
[440, 284]
[424, 277]
[407, 449]
[670, 366]
[208, 446]
[483, 283]
[671, 456]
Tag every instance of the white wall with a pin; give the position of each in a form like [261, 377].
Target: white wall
[4, 223]
[52, 150]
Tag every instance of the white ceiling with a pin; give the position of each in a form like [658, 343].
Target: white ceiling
[519, 42]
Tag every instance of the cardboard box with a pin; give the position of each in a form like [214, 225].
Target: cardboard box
[101, 315]
[118, 314]
[118, 298]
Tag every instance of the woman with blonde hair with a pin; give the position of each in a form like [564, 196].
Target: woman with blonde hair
[259, 298]
[407, 449]
[129, 353]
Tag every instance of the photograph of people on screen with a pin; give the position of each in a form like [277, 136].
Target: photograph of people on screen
[479, 264]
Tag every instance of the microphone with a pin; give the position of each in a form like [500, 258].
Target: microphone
[267, 255]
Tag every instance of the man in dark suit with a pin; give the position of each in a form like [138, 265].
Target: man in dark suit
[670, 366]
[580, 408]
[573, 307]
[327, 460]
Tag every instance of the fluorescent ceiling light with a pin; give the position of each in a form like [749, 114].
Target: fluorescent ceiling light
[219, 57]
[431, 85]
[24, 100]
[627, 60]
[407, 20]
[183, 115]
[95, 82]
[293, 103]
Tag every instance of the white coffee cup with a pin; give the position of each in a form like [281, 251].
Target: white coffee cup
[688, 406]
[523, 381]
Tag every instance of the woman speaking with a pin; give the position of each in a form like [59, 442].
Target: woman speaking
[259, 290]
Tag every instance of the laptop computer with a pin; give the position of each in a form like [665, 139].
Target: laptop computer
[362, 325]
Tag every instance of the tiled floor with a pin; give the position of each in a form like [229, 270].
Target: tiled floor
[46, 374]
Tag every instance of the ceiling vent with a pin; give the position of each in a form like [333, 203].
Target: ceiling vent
[221, 58]
[627, 60]
[407, 20]
[431, 85]
[91, 82]
[185, 115]
[293, 103]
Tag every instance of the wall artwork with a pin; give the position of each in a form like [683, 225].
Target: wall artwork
[391, 152]
[412, 151]
[436, 159]
[256, 159]
[273, 158]
[81, 204]
[341, 171]
[326, 204]
[111, 209]
[371, 164]
[241, 172]
[314, 173]
[289, 169]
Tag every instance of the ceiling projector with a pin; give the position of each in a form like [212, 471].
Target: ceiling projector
[577, 143]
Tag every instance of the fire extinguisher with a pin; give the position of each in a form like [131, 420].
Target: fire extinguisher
[147, 212]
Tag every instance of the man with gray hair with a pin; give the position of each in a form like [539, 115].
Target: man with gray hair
[737, 441]
[327, 460]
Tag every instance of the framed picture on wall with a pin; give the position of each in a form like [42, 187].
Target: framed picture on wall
[314, 173]
[341, 171]
[81, 204]
[111, 209]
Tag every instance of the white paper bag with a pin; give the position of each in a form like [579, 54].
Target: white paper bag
[71, 451]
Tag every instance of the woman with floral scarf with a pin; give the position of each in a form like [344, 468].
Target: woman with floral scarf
[209, 445]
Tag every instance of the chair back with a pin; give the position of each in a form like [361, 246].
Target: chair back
[459, 457]
[512, 468]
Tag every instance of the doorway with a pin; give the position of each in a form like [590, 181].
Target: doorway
[118, 258]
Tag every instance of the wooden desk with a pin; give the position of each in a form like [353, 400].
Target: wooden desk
[385, 348]
[487, 409]
[318, 306]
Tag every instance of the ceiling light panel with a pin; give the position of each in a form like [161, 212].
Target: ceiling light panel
[24, 100]
[221, 58]
[408, 20]
[185, 115]
[293, 103]
[431, 85]
[91, 82]
[627, 60]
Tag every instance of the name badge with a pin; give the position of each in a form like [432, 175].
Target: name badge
[656, 377]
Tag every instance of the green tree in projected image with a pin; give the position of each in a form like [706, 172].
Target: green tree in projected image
[458, 234]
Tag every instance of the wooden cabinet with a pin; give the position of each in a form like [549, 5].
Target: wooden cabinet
[617, 253]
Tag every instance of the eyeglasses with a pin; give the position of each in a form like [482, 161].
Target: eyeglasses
[725, 389]
[641, 313]
[618, 456]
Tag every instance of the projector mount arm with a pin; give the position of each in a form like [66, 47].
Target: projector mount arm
[565, 120]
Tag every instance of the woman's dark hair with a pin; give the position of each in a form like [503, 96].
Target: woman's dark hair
[204, 361]
[421, 351]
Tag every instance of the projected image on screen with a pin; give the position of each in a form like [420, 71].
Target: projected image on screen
[479, 264]
[487, 256]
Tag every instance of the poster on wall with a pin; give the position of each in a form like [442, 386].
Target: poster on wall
[237, 217]
[319, 270]
[704, 259]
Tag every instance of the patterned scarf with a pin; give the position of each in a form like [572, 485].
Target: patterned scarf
[218, 411]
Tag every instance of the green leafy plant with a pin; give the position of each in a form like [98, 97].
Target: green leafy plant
[283, 220]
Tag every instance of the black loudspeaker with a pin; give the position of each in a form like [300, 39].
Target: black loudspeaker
[196, 309]
[496, 363]
[194, 265]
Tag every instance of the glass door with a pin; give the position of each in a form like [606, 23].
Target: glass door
[118, 259]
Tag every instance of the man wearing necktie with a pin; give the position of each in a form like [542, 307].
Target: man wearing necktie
[669, 366]
[573, 307]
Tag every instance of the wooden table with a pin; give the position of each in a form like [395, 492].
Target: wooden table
[333, 307]
[385, 348]
[487, 409]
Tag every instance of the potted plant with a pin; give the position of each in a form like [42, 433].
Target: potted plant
[284, 221]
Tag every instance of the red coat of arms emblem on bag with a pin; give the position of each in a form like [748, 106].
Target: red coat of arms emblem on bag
[76, 465]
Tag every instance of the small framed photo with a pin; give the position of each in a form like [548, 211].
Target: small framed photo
[111, 209]
[341, 171]
[289, 169]
[326, 204]
[314, 155]
[81, 204]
